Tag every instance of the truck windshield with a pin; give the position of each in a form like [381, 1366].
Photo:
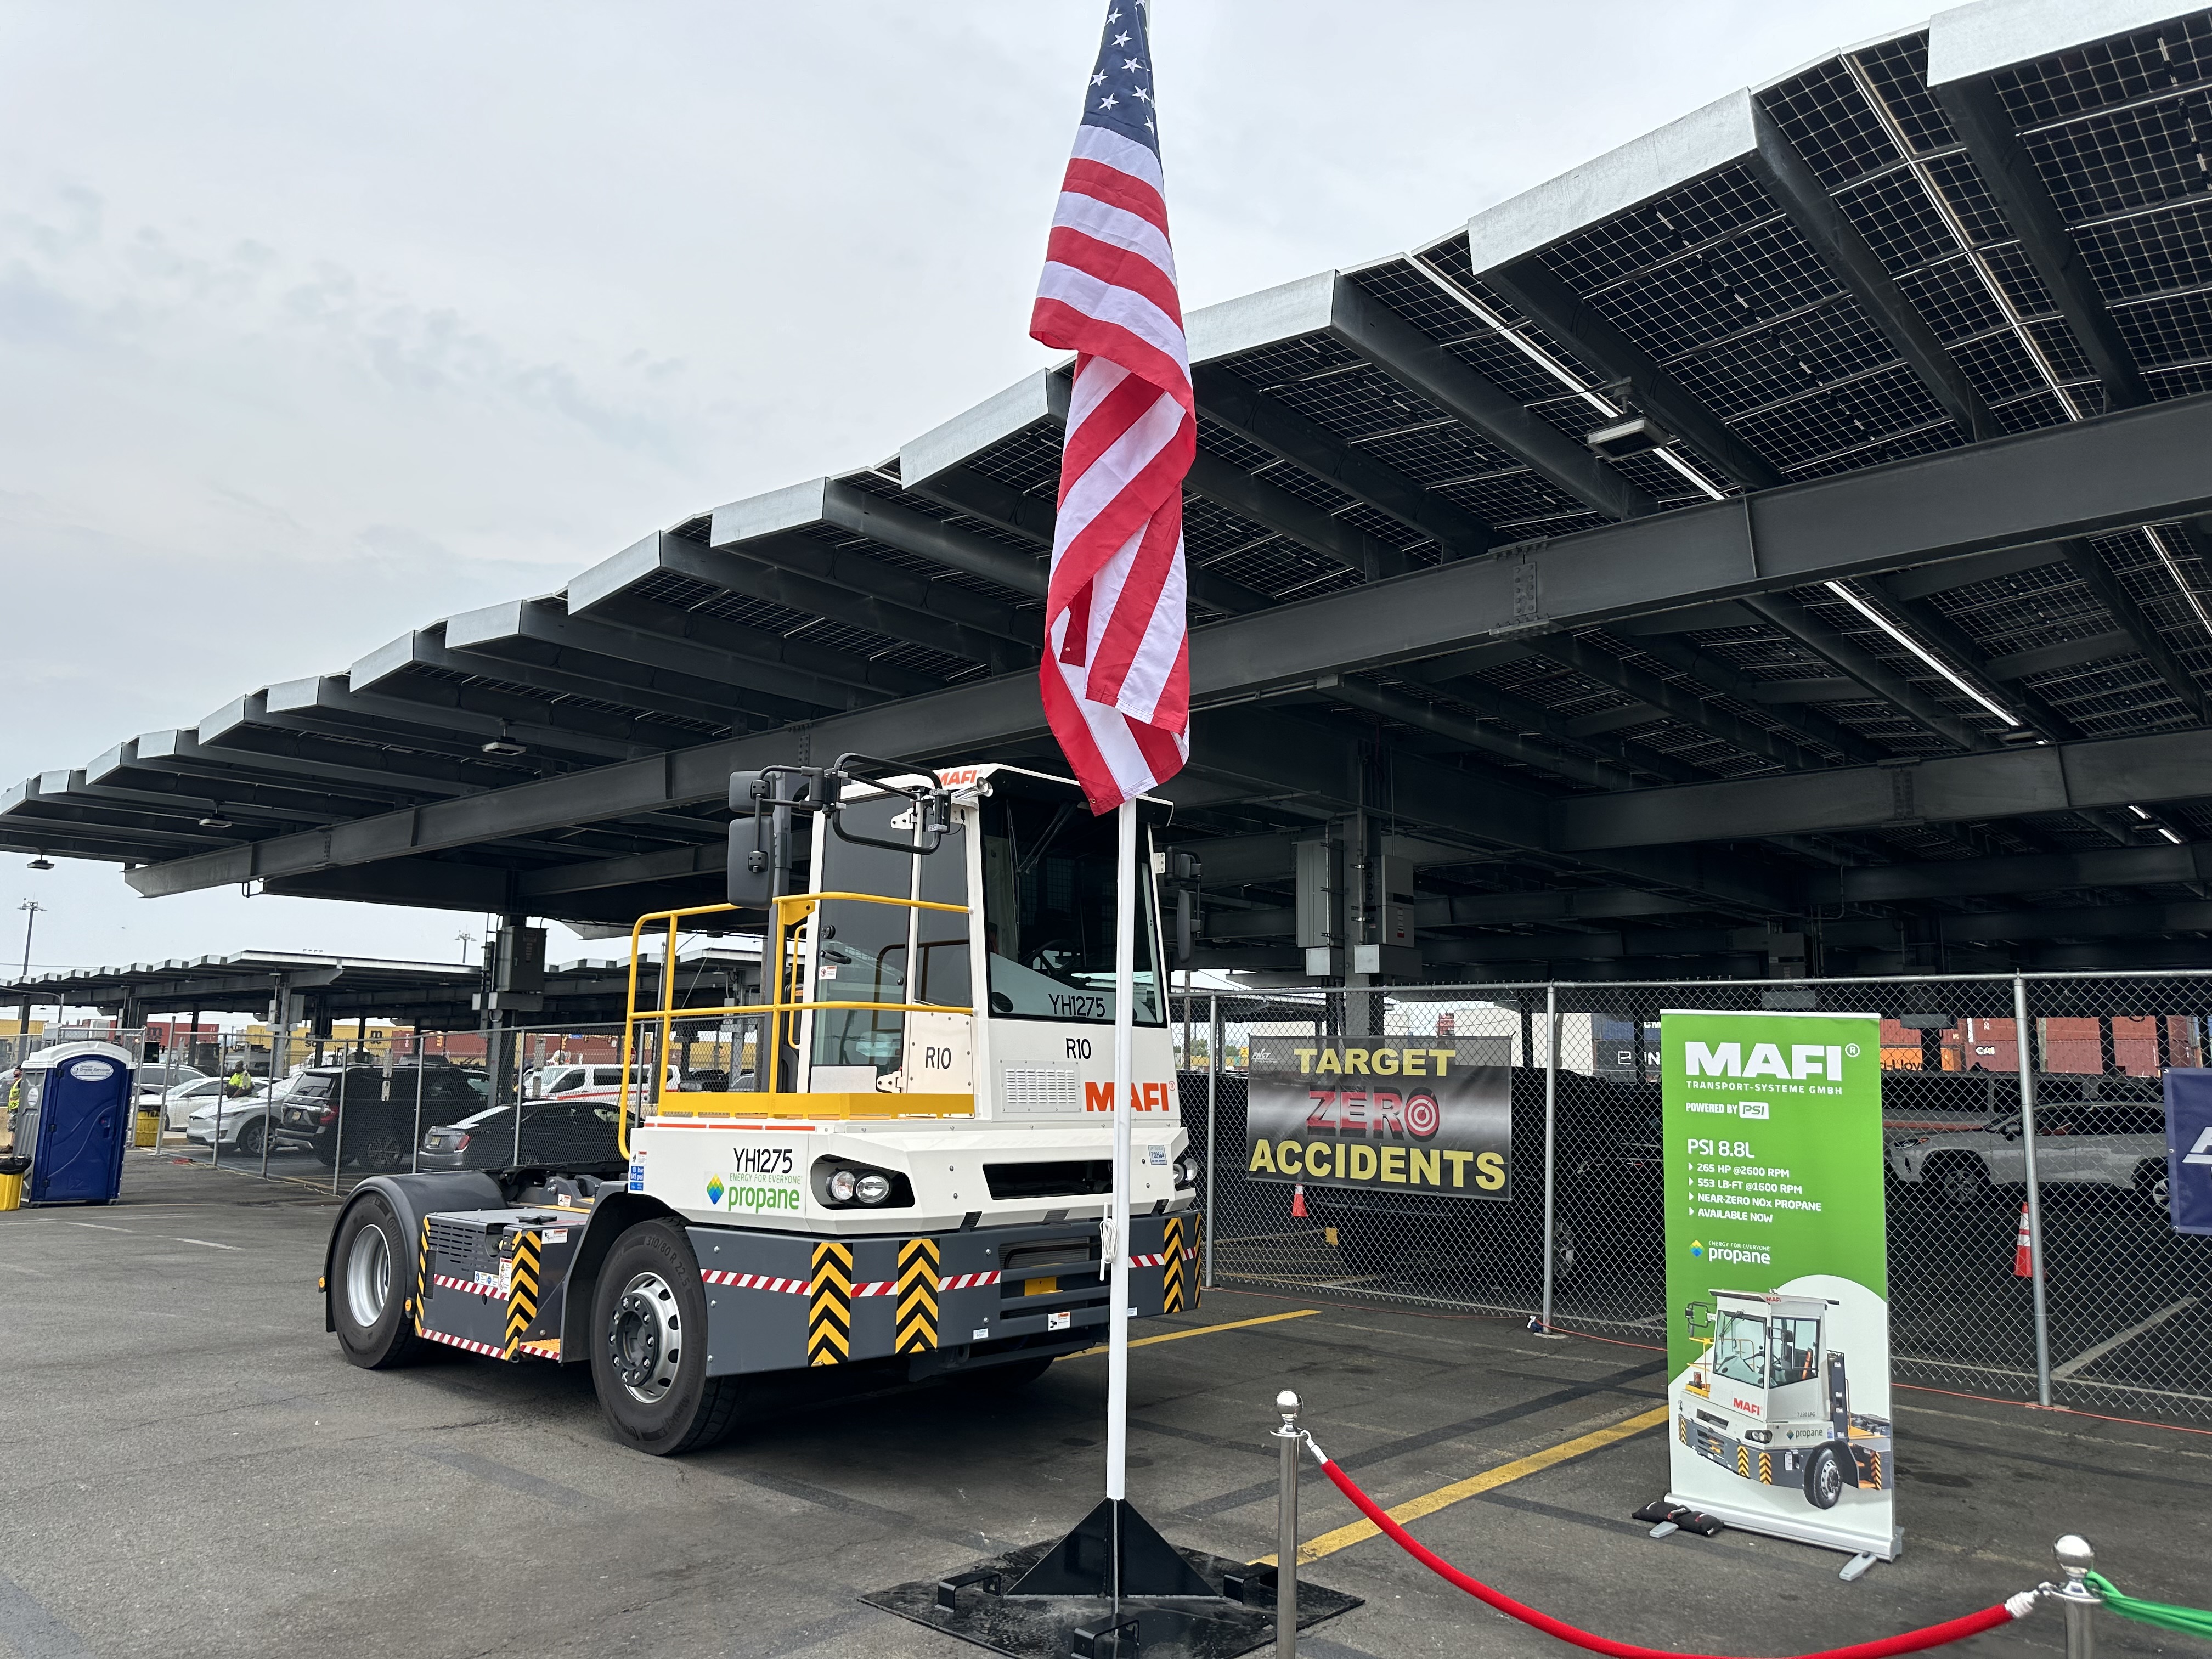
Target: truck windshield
[1740, 1347]
[1048, 912]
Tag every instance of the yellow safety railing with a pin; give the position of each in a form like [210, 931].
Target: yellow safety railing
[790, 913]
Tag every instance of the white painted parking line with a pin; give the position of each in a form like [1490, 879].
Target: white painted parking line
[209, 1243]
[2091, 1355]
[98, 1228]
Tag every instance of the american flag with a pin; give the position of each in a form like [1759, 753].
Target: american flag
[1116, 671]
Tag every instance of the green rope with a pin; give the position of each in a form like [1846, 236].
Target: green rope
[2190, 1621]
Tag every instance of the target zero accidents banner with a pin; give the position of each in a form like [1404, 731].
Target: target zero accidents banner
[1777, 1284]
[1408, 1114]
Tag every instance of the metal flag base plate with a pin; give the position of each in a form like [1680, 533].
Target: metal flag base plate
[984, 1603]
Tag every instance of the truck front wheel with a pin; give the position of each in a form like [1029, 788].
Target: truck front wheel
[1824, 1478]
[372, 1280]
[649, 1345]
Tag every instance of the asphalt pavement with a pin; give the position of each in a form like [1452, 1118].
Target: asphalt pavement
[192, 1466]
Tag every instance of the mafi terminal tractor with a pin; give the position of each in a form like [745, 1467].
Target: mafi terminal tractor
[911, 1168]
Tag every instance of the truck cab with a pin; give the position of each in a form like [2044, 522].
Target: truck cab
[911, 1169]
[1767, 1399]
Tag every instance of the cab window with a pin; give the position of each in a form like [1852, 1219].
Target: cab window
[1048, 895]
[1793, 1352]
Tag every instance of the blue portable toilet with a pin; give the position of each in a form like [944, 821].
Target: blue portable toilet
[75, 1122]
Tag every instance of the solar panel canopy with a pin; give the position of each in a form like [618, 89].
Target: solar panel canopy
[1790, 526]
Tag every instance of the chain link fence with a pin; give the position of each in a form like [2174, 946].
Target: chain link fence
[2069, 1145]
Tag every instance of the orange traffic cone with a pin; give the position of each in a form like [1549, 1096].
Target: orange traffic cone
[1298, 1204]
[2023, 1254]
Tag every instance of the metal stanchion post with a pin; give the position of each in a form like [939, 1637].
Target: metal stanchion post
[2026, 1049]
[1550, 1161]
[1286, 1539]
[2075, 1559]
[1213, 1092]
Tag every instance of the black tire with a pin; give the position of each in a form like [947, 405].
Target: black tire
[1964, 1182]
[1009, 1376]
[381, 1149]
[372, 1286]
[1824, 1478]
[2152, 1185]
[250, 1137]
[649, 1345]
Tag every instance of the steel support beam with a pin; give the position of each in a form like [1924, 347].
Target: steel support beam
[2143, 464]
[603, 680]
[327, 702]
[1411, 357]
[1594, 662]
[1232, 401]
[1806, 725]
[1472, 734]
[2135, 621]
[2011, 177]
[1848, 660]
[841, 585]
[2165, 766]
[1272, 508]
[1858, 270]
[1567, 316]
[2159, 865]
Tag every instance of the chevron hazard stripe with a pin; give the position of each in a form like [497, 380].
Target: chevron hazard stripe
[829, 1306]
[522, 1291]
[915, 1322]
[464, 1343]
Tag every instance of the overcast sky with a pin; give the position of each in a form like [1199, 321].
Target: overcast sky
[318, 322]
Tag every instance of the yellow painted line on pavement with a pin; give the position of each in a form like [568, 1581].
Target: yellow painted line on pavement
[1489, 1481]
[1203, 1330]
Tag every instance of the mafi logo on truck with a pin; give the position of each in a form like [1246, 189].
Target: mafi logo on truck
[1143, 1097]
[1744, 1405]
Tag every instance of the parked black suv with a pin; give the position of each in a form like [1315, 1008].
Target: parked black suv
[368, 1117]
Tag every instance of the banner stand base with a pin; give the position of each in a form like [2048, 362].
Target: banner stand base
[1767, 1526]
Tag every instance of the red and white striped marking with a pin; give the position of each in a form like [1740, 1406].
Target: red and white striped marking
[462, 1342]
[756, 1282]
[968, 1281]
[447, 1282]
[1147, 1261]
[876, 1287]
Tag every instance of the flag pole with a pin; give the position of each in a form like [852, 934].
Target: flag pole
[1117, 1318]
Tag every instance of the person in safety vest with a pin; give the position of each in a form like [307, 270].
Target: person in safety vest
[238, 1082]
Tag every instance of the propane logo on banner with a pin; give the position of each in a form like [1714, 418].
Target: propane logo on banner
[1425, 1115]
[1777, 1275]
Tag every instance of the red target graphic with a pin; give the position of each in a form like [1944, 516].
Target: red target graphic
[1422, 1117]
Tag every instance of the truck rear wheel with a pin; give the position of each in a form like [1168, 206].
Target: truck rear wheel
[1824, 1478]
[649, 1345]
[372, 1281]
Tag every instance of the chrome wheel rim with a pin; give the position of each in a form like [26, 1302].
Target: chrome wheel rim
[368, 1276]
[645, 1338]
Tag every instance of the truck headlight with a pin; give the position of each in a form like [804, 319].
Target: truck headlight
[1185, 1172]
[841, 1184]
[1758, 1436]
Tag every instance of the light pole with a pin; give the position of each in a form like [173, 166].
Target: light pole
[30, 908]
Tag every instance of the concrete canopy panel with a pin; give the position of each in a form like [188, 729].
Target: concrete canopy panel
[1968, 41]
[1700, 142]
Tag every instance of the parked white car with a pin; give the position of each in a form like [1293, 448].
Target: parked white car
[184, 1100]
[586, 1083]
[240, 1125]
[2081, 1144]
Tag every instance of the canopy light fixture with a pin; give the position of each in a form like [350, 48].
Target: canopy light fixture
[504, 744]
[41, 862]
[1633, 435]
[215, 820]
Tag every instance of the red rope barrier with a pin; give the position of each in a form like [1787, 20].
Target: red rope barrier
[1953, 1630]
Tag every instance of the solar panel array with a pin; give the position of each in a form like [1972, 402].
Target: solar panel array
[1736, 306]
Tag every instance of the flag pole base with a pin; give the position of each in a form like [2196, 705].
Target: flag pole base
[1054, 1600]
